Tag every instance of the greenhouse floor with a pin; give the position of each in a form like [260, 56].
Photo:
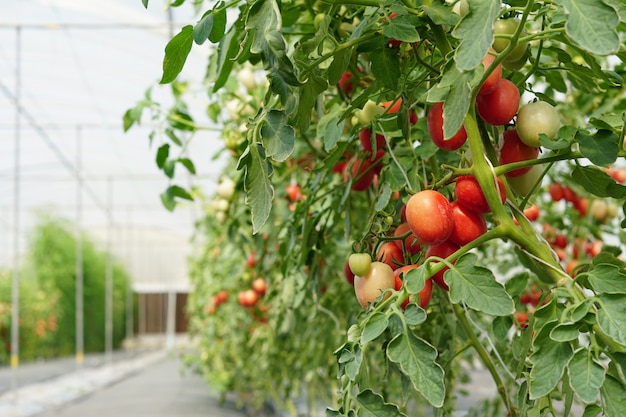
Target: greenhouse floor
[142, 382]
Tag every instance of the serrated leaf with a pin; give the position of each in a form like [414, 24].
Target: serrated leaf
[417, 361]
[477, 287]
[414, 314]
[592, 410]
[586, 376]
[592, 25]
[257, 185]
[383, 198]
[400, 28]
[309, 92]
[414, 280]
[601, 148]
[457, 99]
[475, 31]
[501, 326]
[386, 67]
[597, 182]
[176, 52]
[278, 137]
[330, 127]
[611, 316]
[375, 325]
[549, 361]
[613, 397]
[338, 66]
[226, 51]
[373, 405]
[608, 278]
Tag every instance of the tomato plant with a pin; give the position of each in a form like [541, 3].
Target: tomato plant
[324, 77]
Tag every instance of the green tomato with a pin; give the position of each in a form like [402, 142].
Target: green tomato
[536, 118]
[360, 263]
[524, 183]
[508, 27]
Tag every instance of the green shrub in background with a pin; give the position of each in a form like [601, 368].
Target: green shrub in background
[48, 295]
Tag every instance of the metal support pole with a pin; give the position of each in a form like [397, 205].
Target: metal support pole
[80, 312]
[129, 287]
[15, 285]
[108, 334]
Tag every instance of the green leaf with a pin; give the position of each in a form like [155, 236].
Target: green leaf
[455, 89]
[549, 361]
[330, 127]
[169, 168]
[176, 52]
[167, 199]
[565, 332]
[608, 278]
[477, 287]
[414, 280]
[309, 92]
[386, 66]
[592, 410]
[145, 3]
[188, 163]
[400, 28]
[257, 184]
[162, 153]
[373, 405]
[501, 326]
[219, 23]
[339, 65]
[592, 25]
[383, 198]
[613, 397]
[417, 361]
[375, 325]
[475, 31]
[586, 376]
[414, 314]
[226, 51]
[278, 137]
[202, 29]
[598, 182]
[180, 192]
[611, 316]
[601, 148]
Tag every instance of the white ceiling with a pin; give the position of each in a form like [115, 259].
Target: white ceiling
[75, 66]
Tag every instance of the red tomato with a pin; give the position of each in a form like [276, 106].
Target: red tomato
[581, 205]
[394, 107]
[560, 240]
[468, 224]
[359, 170]
[424, 294]
[500, 106]
[247, 298]
[434, 121]
[251, 260]
[514, 150]
[442, 250]
[294, 192]
[556, 191]
[222, 296]
[430, 217]
[532, 213]
[469, 193]
[496, 75]
[390, 254]
[365, 136]
[346, 83]
[411, 242]
[259, 286]
[348, 273]
[370, 286]
[570, 195]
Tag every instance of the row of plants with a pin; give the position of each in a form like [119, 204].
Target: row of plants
[47, 304]
[413, 191]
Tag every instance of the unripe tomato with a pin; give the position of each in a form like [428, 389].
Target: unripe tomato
[599, 210]
[411, 242]
[522, 184]
[514, 150]
[369, 112]
[390, 254]
[225, 188]
[365, 136]
[461, 8]
[508, 27]
[425, 293]
[442, 250]
[536, 118]
[469, 194]
[434, 121]
[370, 286]
[359, 263]
[430, 217]
[468, 224]
[500, 106]
[494, 78]
[515, 64]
